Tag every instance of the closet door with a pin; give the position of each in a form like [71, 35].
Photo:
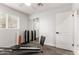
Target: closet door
[64, 30]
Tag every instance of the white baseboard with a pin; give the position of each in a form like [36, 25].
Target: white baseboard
[49, 44]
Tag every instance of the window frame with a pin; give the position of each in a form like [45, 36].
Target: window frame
[6, 21]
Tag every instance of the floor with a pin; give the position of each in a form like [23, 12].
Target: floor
[49, 50]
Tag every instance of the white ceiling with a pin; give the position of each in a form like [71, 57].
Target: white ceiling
[34, 7]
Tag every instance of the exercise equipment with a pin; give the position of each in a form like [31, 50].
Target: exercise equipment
[26, 36]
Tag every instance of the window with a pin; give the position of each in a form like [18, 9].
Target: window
[9, 21]
[2, 21]
[13, 22]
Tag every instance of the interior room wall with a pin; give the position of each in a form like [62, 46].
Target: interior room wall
[8, 36]
[45, 28]
[48, 23]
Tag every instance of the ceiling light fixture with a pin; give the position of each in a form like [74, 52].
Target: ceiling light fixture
[28, 4]
[40, 4]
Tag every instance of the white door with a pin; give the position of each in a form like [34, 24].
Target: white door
[64, 30]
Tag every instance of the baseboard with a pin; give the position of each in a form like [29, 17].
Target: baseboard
[49, 44]
[55, 46]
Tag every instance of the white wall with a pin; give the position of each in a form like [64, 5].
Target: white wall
[8, 36]
[48, 23]
[46, 20]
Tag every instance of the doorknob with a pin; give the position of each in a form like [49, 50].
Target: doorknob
[57, 32]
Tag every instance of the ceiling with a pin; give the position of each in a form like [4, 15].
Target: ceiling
[34, 7]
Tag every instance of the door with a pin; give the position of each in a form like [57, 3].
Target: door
[64, 30]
